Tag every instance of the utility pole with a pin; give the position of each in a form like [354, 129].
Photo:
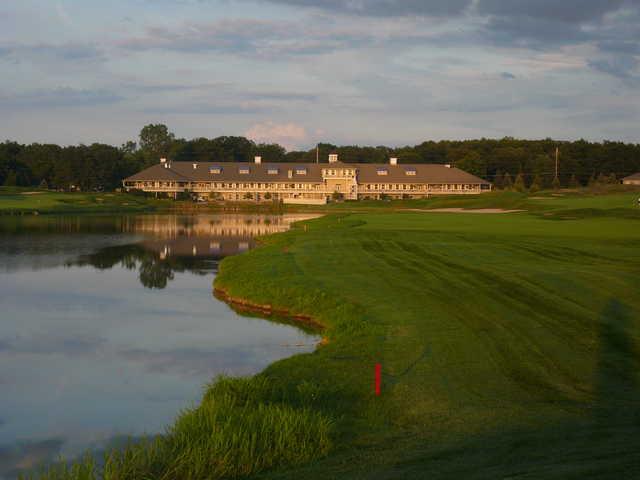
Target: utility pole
[317, 153]
[557, 156]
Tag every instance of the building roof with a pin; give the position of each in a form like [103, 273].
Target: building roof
[635, 176]
[424, 173]
[279, 172]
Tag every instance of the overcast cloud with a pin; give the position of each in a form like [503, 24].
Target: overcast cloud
[302, 71]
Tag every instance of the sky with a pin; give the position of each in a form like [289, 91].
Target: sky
[298, 72]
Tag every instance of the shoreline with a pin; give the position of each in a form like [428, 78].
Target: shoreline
[244, 305]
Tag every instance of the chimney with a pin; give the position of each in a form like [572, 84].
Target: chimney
[163, 160]
[258, 160]
[393, 161]
[333, 158]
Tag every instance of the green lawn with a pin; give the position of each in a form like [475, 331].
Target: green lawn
[510, 344]
[23, 200]
[510, 347]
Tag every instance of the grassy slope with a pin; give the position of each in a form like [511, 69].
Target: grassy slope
[510, 344]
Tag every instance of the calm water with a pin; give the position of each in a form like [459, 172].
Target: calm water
[108, 327]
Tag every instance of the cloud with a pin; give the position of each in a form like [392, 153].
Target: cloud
[70, 52]
[621, 66]
[60, 97]
[508, 76]
[267, 39]
[289, 135]
[63, 15]
[213, 108]
[384, 8]
[568, 11]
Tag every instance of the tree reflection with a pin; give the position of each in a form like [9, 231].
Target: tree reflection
[153, 270]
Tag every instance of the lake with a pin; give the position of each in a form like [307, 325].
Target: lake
[108, 327]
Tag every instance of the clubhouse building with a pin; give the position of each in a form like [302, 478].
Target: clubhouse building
[305, 183]
[632, 179]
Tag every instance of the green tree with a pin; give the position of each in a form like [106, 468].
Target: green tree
[507, 183]
[155, 141]
[518, 184]
[472, 162]
[535, 184]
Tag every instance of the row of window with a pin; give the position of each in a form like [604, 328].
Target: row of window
[329, 172]
[413, 186]
[341, 172]
[309, 186]
[264, 186]
[247, 170]
[407, 171]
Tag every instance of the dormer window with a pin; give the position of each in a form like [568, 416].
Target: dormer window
[244, 170]
[301, 171]
[272, 171]
[382, 171]
[410, 171]
[215, 170]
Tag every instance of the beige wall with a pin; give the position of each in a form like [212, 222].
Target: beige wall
[252, 191]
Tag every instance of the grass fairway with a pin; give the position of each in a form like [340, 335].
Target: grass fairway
[16, 200]
[510, 344]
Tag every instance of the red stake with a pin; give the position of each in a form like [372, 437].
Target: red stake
[378, 378]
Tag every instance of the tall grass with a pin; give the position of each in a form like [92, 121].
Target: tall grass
[241, 427]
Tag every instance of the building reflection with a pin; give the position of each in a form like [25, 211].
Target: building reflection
[174, 243]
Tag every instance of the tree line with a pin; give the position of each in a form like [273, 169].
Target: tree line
[507, 162]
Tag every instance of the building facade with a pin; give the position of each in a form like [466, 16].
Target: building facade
[312, 183]
[632, 179]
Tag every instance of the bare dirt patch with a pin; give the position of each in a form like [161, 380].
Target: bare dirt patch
[31, 193]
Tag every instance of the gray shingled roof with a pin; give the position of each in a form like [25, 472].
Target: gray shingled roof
[367, 173]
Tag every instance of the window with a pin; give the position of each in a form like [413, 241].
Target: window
[272, 171]
[244, 170]
[215, 170]
[301, 171]
[410, 171]
[382, 171]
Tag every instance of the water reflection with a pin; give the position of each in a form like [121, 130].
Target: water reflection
[109, 327]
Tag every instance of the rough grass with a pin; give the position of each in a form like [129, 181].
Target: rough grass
[241, 427]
